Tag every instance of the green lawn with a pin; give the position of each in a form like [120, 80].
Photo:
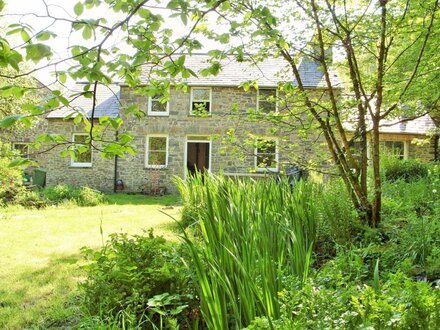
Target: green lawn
[40, 257]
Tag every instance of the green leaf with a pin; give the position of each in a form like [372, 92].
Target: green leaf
[8, 121]
[77, 120]
[78, 9]
[62, 77]
[45, 35]
[87, 32]
[12, 90]
[20, 162]
[36, 52]
[25, 36]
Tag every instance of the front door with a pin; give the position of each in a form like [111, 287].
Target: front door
[197, 156]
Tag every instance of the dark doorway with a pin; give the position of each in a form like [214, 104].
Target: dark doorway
[197, 156]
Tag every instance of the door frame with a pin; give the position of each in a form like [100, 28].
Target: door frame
[197, 139]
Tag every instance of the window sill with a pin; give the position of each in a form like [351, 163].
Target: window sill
[84, 165]
[200, 115]
[155, 114]
[267, 170]
[155, 167]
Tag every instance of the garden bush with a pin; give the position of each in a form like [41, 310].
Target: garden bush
[408, 169]
[397, 302]
[338, 219]
[11, 178]
[139, 280]
[83, 196]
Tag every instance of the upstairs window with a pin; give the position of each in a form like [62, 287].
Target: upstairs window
[22, 149]
[156, 155]
[200, 101]
[266, 157]
[267, 100]
[156, 107]
[84, 155]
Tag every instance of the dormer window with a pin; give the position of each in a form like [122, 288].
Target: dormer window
[200, 101]
[156, 107]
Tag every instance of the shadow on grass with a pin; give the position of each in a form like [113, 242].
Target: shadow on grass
[42, 296]
[138, 199]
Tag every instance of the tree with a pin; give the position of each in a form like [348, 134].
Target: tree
[389, 57]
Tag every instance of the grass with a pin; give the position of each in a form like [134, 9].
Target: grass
[40, 258]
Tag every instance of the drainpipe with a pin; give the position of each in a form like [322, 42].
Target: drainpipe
[115, 176]
[436, 155]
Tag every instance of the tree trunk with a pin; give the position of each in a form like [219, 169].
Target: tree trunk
[377, 201]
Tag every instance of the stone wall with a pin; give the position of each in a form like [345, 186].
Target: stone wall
[59, 170]
[181, 126]
[28, 135]
[228, 111]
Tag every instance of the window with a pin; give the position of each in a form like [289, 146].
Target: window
[200, 100]
[156, 154]
[84, 155]
[397, 148]
[22, 149]
[266, 100]
[156, 107]
[266, 157]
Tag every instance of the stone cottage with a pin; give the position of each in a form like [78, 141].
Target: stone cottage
[173, 139]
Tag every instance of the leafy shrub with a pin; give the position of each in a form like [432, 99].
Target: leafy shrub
[90, 197]
[397, 303]
[408, 169]
[191, 200]
[414, 246]
[339, 221]
[83, 196]
[138, 279]
[11, 179]
[30, 199]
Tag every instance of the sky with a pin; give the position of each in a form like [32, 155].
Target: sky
[33, 12]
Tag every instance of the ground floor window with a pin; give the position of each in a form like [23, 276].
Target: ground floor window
[21, 148]
[156, 154]
[396, 148]
[83, 157]
[266, 156]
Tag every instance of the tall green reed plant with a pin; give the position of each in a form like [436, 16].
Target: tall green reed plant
[254, 234]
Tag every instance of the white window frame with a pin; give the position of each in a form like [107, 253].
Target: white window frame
[18, 143]
[74, 162]
[150, 107]
[209, 112]
[405, 147]
[267, 169]
[147, 151]
[276, 98]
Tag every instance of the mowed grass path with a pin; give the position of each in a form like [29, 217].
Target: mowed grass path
[40, 258]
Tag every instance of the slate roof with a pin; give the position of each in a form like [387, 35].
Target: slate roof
[420, 126]
[107, 103]
[267, 73]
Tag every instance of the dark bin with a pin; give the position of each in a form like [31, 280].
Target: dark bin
[39, 177]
